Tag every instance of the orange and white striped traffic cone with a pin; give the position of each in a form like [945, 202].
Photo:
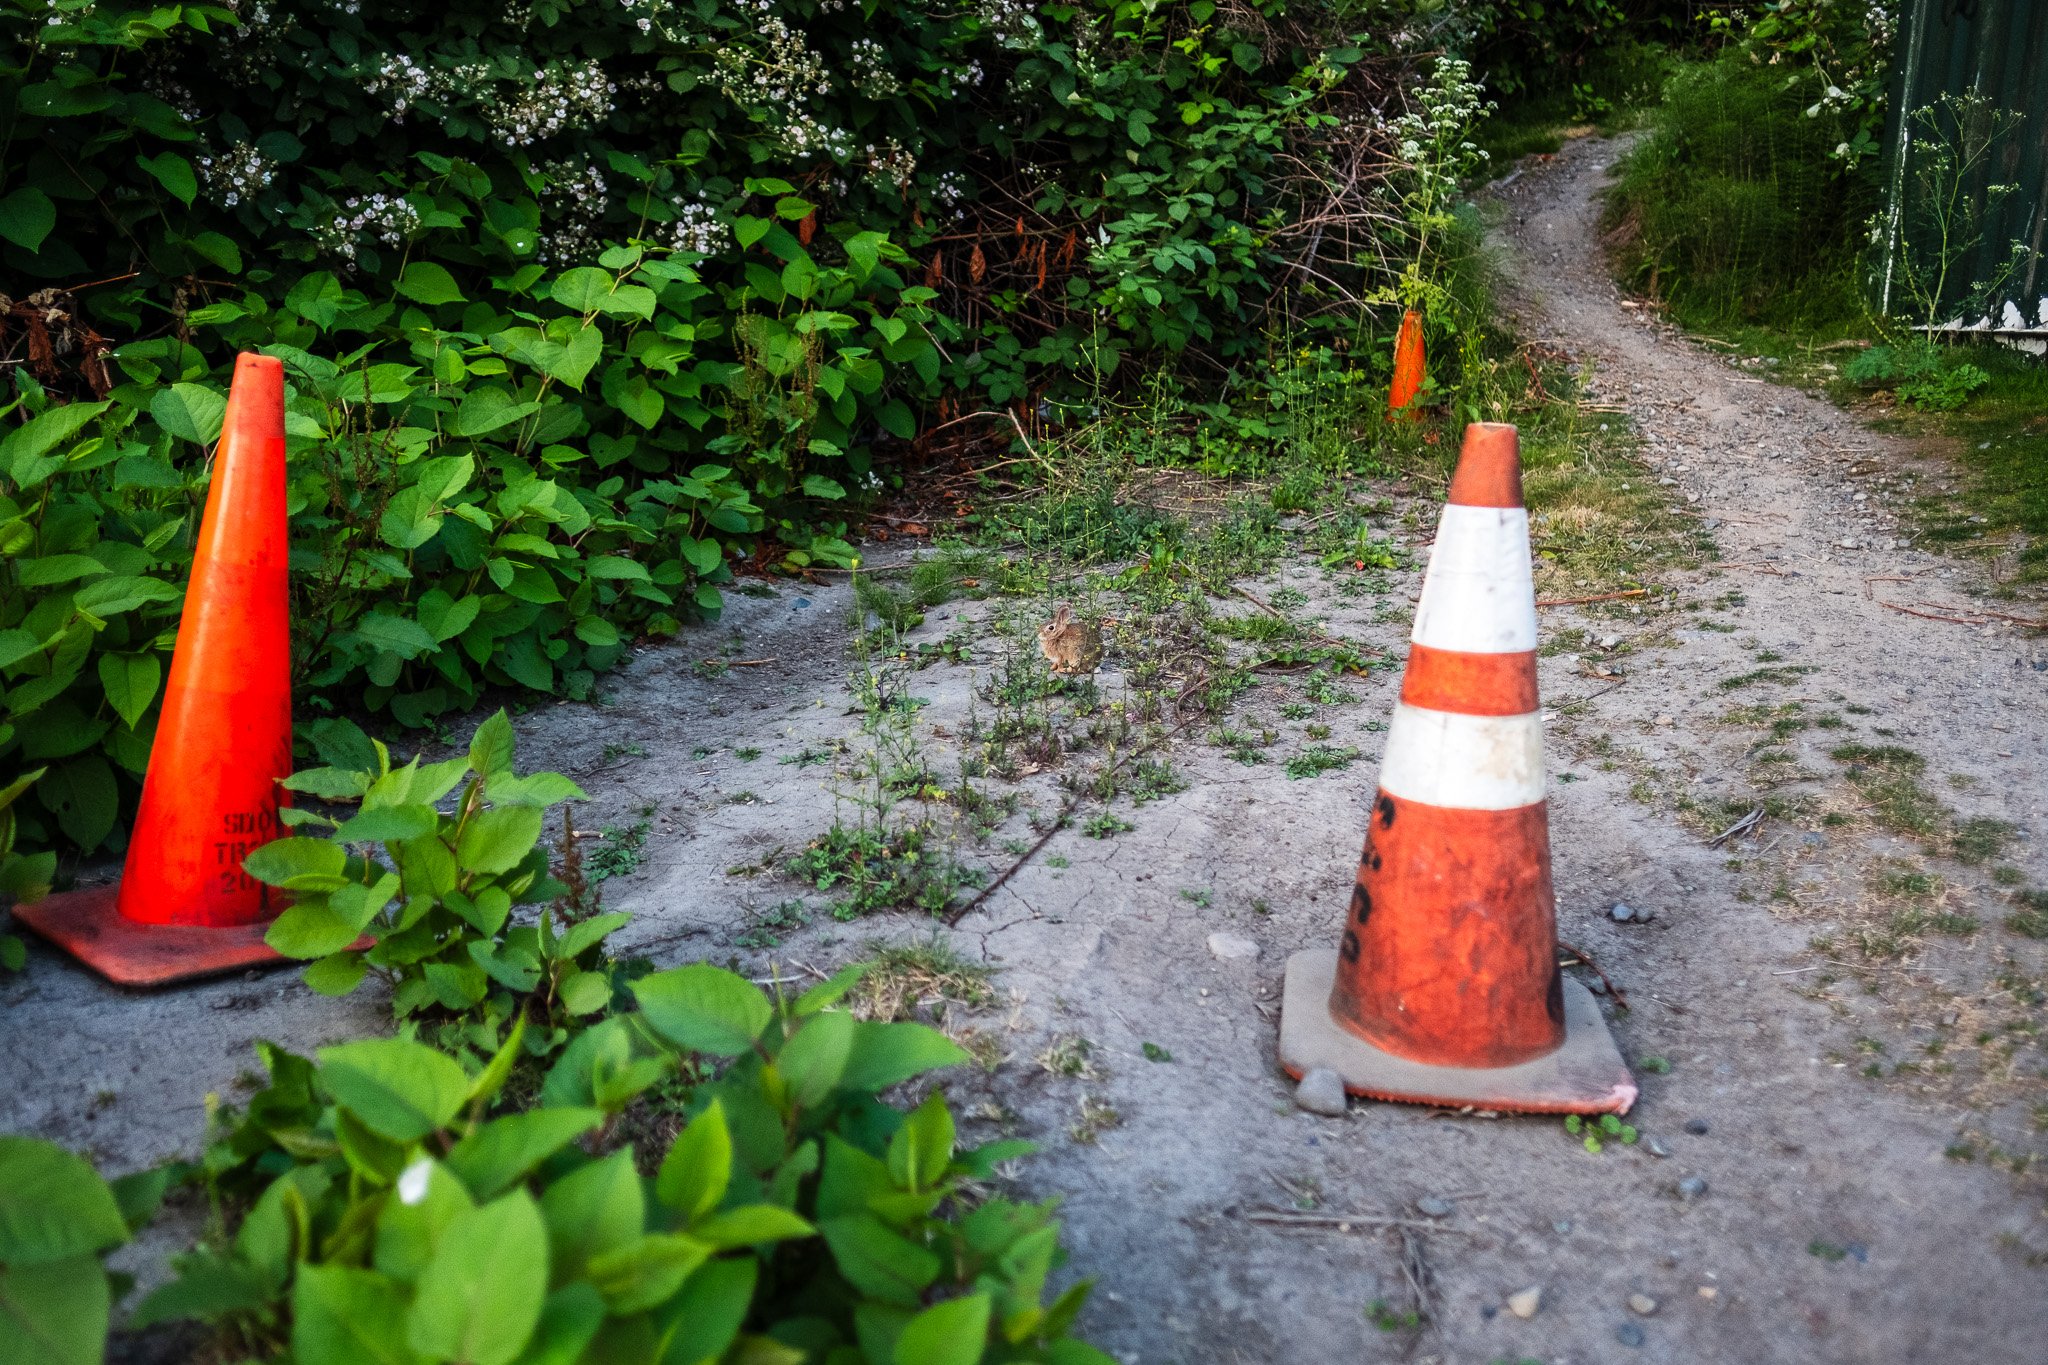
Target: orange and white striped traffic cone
[1446, 988]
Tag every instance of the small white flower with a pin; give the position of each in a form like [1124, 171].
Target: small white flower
[412, 1181]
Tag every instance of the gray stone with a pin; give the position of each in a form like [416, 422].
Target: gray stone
[1523, 1303]
[1322, 1092]
[1233, 947]
[1692, 1187]
[1630, 1335]
[1622, 913]
[1642, 1303]
[1698, 1127]
[1435, 1206]
[1655, 1148]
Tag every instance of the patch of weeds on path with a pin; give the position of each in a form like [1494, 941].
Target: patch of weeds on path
[918, 981]
[1318, 759]
[875, 869]
[622, 850]
[765, 928]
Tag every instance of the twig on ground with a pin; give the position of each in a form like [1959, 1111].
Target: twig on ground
[742, 663]
[1594, 696]
[1345, 1221]
[1933, 616]
[1746, 823]
[1596, 597]
[1586, 960]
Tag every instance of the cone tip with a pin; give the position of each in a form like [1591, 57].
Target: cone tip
[1489, 467]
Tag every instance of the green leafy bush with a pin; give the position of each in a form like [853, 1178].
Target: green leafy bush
[1735, 205]
[1924, 375]
[57, 1218]
[23, 876]
[438, 905]
[578, 303]
[794, 1218]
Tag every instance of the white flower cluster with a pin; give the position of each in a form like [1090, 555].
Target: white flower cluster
[407, 82]
[385, 217]
[237, 173]
[950, 188]
[891, 162]
[696, 227]
[1432, 138]
[1013, 23]
[872, 74]
[775, 81]
[557, 102]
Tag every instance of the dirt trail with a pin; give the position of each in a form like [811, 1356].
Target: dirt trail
[1831, 1229]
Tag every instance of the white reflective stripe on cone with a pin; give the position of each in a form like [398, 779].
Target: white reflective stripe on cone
[1478, 595]
[1443, 758]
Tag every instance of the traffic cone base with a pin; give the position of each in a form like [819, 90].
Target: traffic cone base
[1584, 1076]
[88, 925]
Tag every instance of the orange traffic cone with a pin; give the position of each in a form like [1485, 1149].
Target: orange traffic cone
[1446, 989]
[1409, 366]
[184, 907]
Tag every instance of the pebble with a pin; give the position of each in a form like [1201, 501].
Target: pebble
[1692, 1187]
[1848, 543]
[1523, 1303]
[1435, 1206]
[1628, 1334]
[1233, 947]
[1321, 1092]
[1642, 1303]
[1698, 1127]
[1609, 641]
[1667, 720]
[1708, 1291]
[1622, 913]
[1655, 1147]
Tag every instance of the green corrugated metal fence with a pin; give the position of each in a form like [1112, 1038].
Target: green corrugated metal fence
[1997, 49]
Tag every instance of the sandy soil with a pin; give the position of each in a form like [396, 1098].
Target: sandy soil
[1832, 1226]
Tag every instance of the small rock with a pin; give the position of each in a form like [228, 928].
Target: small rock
[1814, 839]
[1666, 720]
[1698, 1127]
[1655, 1148]
[1233, 947]
[1708, 1291]
[1642, 1303]
[1523, 1303]
[1848, 543]
[1628, 1334]
[1321, 1092]
[1692, 1187]
[1609, 641]
[1622, 913]
[1435, 1206]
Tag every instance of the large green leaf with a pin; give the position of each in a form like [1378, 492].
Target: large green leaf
[190, 412]
[502, 1151]
[951, 1333]
[425, 282]
[53, 1205]
[400, 1089]
[698, 1167]
[345, 1316]
[704, 1008]
[887, 1054]
[498, 840]
[480, 1298]
[26, 217]
[42, 434]
[599, 1208]
[130, 681]
[54, 1313]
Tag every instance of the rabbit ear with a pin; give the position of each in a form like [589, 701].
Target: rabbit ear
[1062, 615]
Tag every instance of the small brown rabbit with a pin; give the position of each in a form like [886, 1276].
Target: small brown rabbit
[1072, 646]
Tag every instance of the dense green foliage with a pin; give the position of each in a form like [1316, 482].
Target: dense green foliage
[579, 302]
[1735, 206]
[392, 1207]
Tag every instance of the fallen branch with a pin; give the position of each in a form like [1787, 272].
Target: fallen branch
[1747, 822]
[1586, 960]
[1597, 597]
[1346, 1221]
[1933, 616]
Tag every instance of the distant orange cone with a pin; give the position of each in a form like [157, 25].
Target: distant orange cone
[1410, 368]
[1446, 989]
[184, 907]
